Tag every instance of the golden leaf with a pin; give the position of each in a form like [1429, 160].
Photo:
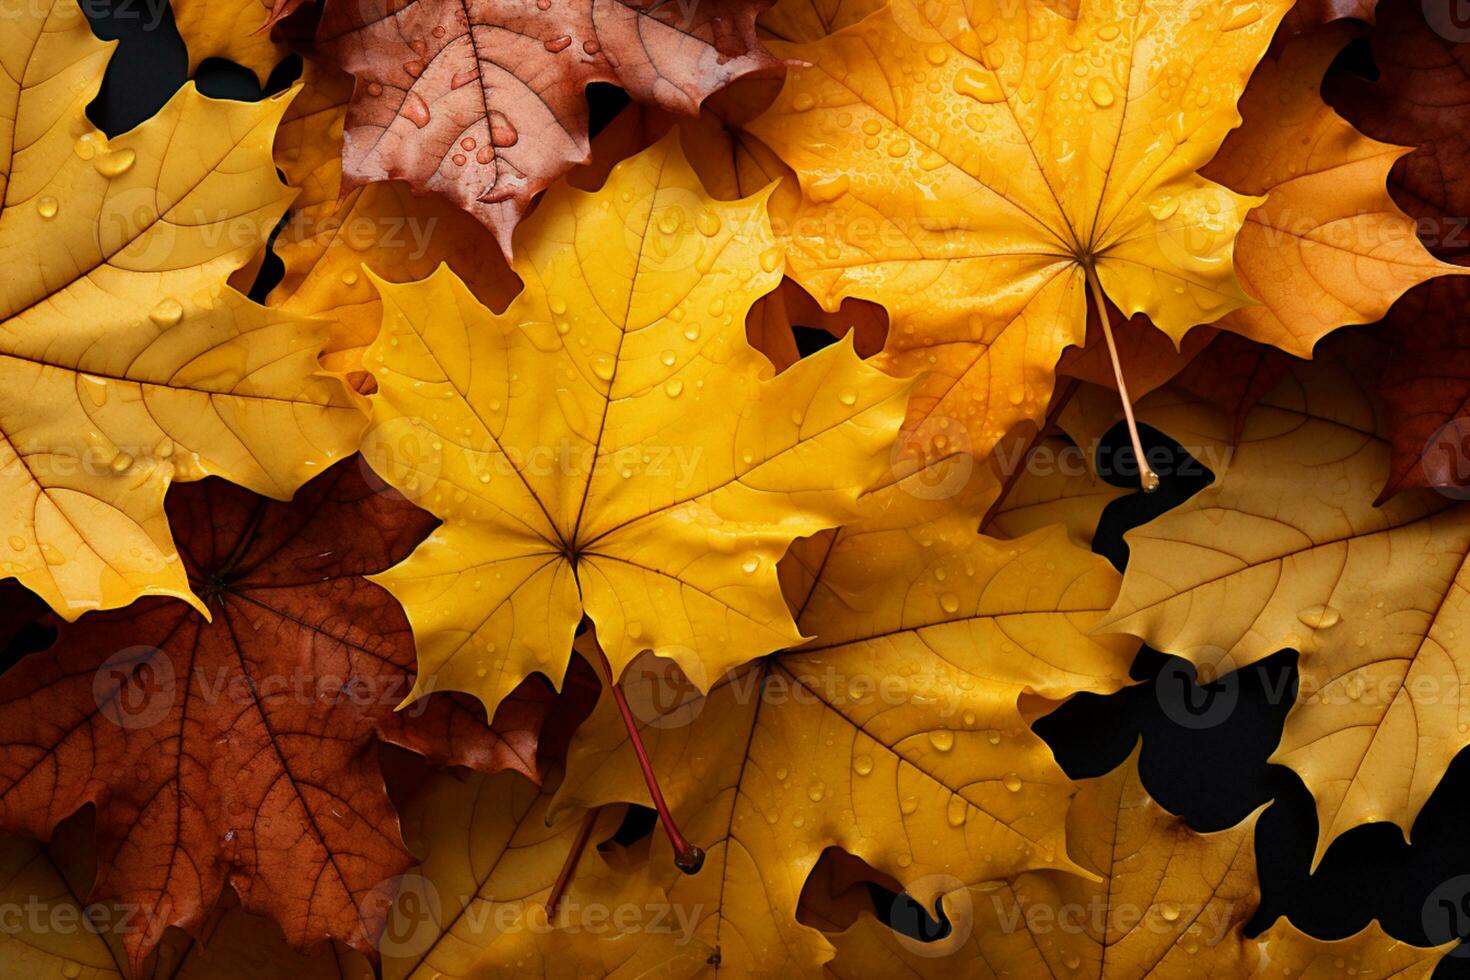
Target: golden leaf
[895, 734]
[1286, 549]
[126, 362]
[1171, 903]
[610, 445]
[966, 165]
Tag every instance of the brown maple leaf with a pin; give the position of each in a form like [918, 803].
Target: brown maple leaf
[1421, 99]
[241, 749]
[484, 102]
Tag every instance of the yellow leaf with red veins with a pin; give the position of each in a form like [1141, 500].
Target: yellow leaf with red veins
[965, 165]
[611, 445]
[125, 361]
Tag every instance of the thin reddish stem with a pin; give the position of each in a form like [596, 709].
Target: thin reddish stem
[1147, 477]
[688, 858]
[569, 866]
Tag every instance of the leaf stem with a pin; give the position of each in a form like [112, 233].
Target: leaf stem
[569, 866]
[1147, 477]
[687, 858]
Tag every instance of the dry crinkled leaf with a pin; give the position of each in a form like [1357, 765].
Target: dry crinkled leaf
[610, 445]
[126, 362]
[895, 734]
[239, 749]
[484, 104]
[476, 906]
[1171, 904]
[1286, 549]
[330, 236]
[1329, 247]
[965, 177]
[229, 29]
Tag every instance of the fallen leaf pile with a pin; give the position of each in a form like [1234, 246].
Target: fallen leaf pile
[626, 554]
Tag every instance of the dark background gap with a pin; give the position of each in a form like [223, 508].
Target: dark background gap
[1204, 749]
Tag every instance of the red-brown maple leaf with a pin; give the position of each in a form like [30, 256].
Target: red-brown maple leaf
[482, 100]
[1421, 99]
[243, 749]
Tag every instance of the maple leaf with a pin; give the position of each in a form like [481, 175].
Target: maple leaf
[236, 749]
[491, 861]
[126, 361]
[1418, 100]
[485, 104]
[614, 447]
[229, 29]
[1328, 247]
[1426, 387]
[331, 235]
[895, 734]
[57, 876]
[968, 178]
[1286, 549]
[1170, 903]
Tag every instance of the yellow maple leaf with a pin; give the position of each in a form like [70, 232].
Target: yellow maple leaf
[477, 905]
[1286, 549]
[969, 165]
[229, 29]
[126, 362]
[1171, 903]
[896, 734]
[1328, 247]
[610, 445]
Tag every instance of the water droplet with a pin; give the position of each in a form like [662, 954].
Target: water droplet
[121, 463]
[942, 739]
[52, 555]
[1169, 911]
[750, 564]
[415, 110]
[828, 189]
[71, 969]
[1242, 15]
[708, 224]
[862, 765]
[803, 102]
[17, 543]
[115, 163]
[1012, 782]
[957, 812]
[673, 388]
[937, 54]
[1100, 92]
[1164, 207]
[908, 805]
[559, 44]
[691, 332]
[1319, 617]
[770, 259]
[899, 148]
[815, 792]
[979, 85]
[557, 304]
[847, 396]
[349, 278]
[47, 207]
[781, 773]
[603, 367]
[949, 602]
